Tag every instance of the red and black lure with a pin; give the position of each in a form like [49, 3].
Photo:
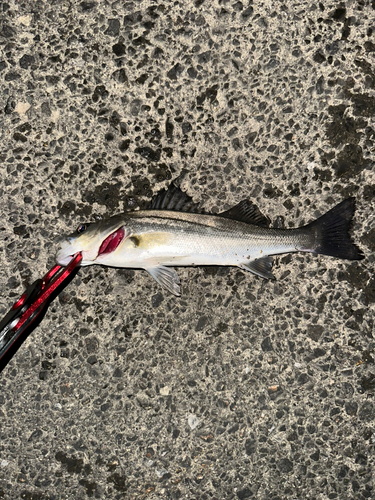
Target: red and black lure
[20, 320]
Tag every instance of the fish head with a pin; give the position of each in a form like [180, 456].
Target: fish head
[94, 241]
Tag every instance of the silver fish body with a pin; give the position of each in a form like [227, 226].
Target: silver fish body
[156, 239]
[181, 239]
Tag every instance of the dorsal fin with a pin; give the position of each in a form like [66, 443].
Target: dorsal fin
[247, 212]
[174, 199]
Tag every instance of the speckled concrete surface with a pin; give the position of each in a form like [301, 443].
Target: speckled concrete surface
[241, 388]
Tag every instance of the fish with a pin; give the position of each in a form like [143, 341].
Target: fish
[174, 231]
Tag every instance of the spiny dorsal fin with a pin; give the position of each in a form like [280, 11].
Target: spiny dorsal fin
[247, 212]
[174, 199]
[261, 267]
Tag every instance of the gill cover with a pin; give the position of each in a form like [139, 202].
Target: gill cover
[92, 240]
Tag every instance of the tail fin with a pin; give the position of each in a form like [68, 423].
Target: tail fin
[331, 232]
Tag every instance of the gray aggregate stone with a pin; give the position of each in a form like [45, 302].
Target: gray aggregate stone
[241, 388]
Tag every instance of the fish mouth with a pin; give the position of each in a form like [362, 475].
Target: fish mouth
[63, 256]
[64, 261]
[112, 241]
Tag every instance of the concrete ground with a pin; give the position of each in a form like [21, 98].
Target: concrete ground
[242, 388]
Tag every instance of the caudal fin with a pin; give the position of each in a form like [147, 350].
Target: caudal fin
[331, 232]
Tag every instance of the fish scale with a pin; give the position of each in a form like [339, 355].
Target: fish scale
[206, 239]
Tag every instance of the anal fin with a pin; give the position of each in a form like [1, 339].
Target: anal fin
[261, 267]
[166, 277]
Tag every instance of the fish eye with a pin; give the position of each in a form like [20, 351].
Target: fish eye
[82, 228]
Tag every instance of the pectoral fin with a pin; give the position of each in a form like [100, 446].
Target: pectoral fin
[166, 277]
[261, 267]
